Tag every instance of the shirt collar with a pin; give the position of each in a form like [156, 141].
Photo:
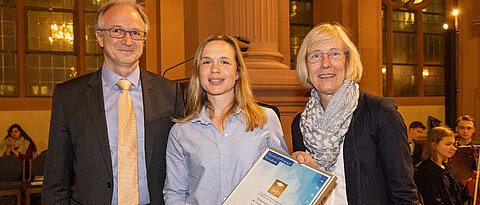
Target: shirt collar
[204, 119]
[112, 78]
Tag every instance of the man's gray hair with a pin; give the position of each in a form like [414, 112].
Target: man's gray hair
[140, 7]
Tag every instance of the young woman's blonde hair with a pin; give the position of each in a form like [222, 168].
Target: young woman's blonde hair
[323, 32]
[434, 137]
[197, 97]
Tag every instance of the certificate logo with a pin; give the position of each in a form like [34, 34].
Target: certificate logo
[277, 188]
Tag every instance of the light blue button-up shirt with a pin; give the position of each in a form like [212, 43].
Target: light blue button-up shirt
[204, 166]
[110, 96]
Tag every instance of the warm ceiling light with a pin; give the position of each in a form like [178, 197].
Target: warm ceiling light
[445, 26]
[455, 12]
[425, 72]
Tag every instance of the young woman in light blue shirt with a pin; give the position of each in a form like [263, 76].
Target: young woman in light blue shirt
[223, 132]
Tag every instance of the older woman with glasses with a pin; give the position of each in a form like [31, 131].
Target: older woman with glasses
[359, 137]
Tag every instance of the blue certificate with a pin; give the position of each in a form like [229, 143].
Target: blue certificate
[276, 178]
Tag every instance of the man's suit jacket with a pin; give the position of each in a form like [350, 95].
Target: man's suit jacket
[417, 153]
[78, 148]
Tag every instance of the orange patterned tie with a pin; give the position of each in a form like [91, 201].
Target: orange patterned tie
[127, 175]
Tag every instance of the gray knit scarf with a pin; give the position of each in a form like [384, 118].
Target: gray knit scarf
[323, 130]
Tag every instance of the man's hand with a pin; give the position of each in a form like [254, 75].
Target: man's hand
[304, 158]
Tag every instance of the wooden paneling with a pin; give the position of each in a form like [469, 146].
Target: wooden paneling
[475, 15]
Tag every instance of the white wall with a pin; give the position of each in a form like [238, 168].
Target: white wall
[420, 113]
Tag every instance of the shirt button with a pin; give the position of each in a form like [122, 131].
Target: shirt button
[226, 134]
[223, 153]
[109, 185]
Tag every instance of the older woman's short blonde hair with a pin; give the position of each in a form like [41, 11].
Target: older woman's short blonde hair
[323, 32]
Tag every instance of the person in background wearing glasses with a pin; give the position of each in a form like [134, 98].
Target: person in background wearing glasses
[84, 145]
[361, 138]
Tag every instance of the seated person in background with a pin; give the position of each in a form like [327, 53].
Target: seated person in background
[415, 131]
[465, 127]
[435, 179]
[223, 132]
[18, 143]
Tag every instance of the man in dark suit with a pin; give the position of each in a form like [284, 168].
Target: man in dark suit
[415, 131]
[82, 165]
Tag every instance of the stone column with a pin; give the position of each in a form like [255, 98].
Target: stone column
[266, 24]
[256, 20]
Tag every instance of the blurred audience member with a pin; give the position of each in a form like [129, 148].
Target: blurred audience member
[18, 143]
[465, 127]
[435, 178]
[415, 131]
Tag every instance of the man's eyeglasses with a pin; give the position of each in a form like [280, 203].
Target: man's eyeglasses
[332, 55]
[120, 33]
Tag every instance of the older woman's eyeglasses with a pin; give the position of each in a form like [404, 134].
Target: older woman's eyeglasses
[332, 55]
[120, 33]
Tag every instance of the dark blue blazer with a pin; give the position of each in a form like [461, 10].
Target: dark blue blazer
[378, 166]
